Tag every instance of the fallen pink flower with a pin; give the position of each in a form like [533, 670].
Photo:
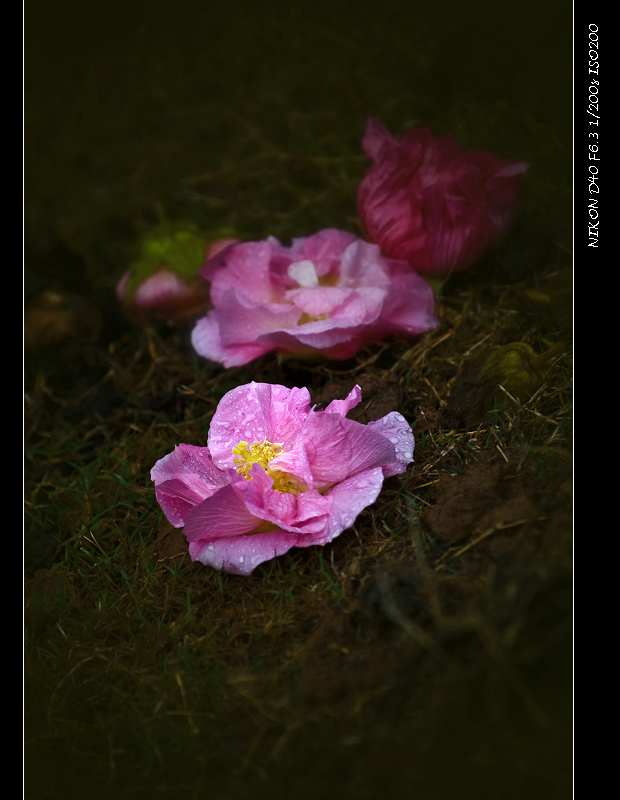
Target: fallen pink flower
[425, 201]
[277, 474]
[164, 296]
[164, 283]
[327, 294]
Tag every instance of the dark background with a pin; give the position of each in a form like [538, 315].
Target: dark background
[128, 104]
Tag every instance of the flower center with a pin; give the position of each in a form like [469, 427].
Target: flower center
[310, 318]
[262, 453]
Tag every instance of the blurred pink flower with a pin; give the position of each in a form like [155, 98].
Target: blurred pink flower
[327, 294]
[164, 296]
[164, 283]
[277, 474]
[425, 201]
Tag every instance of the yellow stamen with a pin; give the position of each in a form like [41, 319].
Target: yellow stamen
[262, 453]
[310, 318]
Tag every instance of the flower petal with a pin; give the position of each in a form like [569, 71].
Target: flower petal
[410, 302]
[207, 342]
[343, 407]
[319, 299]
[240, 555]
[303, 273]
[183, 479]
[377, 139]
[323, 248]
[243, 267]
[338, 447]
[256, 412]
[222, 514]
[242, 320]
[362, 265]
[350, 497]
[396, 428]
[317, 339]
[313, 337]
[304, 512]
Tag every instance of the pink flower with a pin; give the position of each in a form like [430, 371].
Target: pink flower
[164, 296]
[277, 474]
[164, 283]
[425, 201]
[326, 294]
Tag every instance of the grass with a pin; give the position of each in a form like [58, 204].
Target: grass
[426, 650]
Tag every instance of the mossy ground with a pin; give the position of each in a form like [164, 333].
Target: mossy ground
[427, 651]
